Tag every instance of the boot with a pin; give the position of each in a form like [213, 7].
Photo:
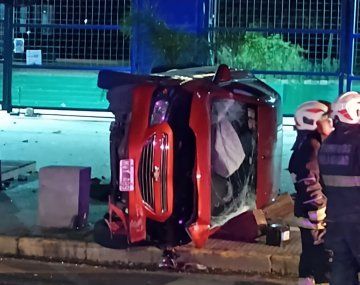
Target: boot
[306, 281]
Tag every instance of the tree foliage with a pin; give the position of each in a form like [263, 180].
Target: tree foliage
[255, 51]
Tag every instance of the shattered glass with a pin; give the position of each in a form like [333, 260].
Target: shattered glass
[236, 193]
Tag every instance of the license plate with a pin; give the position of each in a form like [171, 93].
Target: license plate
[126, 178]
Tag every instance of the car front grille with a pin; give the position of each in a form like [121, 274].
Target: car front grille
[148, 166]
[163, 168]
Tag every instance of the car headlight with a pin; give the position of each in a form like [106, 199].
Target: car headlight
[159, 112]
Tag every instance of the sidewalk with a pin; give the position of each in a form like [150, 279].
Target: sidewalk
[20, 237]
[218, 256]
[86, 143]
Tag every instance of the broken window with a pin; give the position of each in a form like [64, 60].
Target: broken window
[233, 159]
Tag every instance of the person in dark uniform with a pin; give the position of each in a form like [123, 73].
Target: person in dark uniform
[339, 163]
[313, 126]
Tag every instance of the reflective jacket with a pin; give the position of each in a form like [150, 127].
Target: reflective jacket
[339, 163]
[303, 164]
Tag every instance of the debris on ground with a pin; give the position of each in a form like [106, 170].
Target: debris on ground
[282, 209]
[22, 178]
[190, 266]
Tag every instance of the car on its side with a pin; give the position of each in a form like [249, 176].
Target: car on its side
[190, 150]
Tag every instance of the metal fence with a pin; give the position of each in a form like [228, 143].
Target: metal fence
[302, 14]
[87, 34]
[75, 32]
[313, 25]
[357, 43]
[1, 28]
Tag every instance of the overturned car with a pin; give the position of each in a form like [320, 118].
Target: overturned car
[190, 150]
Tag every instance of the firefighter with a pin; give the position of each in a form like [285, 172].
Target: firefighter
[339, 163]
[313, 126]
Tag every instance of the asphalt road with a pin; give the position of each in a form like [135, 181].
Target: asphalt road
[21, 272]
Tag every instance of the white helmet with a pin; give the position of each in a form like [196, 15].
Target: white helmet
[308, 113]
[347, 108]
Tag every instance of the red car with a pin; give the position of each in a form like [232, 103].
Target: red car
[190, 150]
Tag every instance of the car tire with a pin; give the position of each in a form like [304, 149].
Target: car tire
[103, 237]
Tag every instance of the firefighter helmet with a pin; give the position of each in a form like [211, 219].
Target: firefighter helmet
[346, 108]
[308, 113]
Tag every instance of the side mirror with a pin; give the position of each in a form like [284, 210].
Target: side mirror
[223, 74]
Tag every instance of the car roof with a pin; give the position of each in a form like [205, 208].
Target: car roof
[238, 80]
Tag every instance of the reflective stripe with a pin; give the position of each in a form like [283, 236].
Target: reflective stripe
[341, 181]
[334, 159]
[336, 148]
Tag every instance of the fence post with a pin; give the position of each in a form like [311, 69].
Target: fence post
[348, 12]
[8, 56]
[188, 15]
[134, 40]
[351, 31]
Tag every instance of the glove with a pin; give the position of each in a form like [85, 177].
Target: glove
[318, 215]
[318, 236]
[318, 198]
[313, 185]
[307, 224]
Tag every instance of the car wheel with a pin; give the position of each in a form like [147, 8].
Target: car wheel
[103, 236]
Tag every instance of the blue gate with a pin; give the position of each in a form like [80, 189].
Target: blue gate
[87, 35]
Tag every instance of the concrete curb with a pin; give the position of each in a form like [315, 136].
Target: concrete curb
[285, 264]
[132, 256]
[240, 261]
[8, 246]
[66, 250]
